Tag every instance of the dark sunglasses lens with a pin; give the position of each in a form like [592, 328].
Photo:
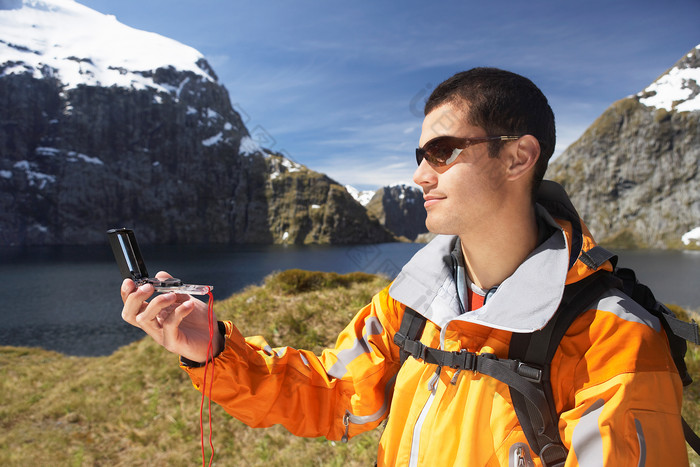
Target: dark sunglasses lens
[438, 151]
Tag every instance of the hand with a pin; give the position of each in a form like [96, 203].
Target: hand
[178, 322]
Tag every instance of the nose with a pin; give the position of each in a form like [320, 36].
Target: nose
[425, 176]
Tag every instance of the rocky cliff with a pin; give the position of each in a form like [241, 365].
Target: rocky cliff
[634, 173]
[400, 209]
[309, 207]
[90, 141]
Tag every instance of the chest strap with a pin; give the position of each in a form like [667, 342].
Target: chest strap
[521, 377]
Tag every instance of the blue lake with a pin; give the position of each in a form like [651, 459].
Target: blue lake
[67, 298]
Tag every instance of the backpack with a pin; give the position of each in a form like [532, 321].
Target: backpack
[526, 370]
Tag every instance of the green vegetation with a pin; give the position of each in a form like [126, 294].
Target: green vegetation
[137, 408]
[624, 240]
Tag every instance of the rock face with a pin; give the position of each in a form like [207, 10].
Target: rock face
[633, 175]
[163, 152]
[400, 209]
[309, 207]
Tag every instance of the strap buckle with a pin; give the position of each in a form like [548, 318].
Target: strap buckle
[415, 348]
[462, 360]
[399, 339]
[528, 372]
[553, 455]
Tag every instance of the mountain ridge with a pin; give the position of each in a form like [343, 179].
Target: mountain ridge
[634, 173]
[155, 146]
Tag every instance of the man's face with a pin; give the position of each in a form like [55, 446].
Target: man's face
[461, 197]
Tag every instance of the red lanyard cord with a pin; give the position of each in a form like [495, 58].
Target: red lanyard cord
[205, 385]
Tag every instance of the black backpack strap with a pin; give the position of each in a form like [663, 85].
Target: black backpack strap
[412, 325]
[596, 256]
[538, 349]
[690, 436]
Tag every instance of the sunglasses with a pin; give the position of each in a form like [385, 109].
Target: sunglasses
[444, 150]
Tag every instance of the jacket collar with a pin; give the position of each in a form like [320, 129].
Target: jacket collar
[524, 302]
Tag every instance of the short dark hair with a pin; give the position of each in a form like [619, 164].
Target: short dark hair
[502, 103]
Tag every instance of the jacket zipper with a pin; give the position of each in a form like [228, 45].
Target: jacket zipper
[433, 383]
[415, 439]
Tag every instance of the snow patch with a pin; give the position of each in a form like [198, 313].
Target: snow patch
[75, 156]
[675, 90]
[216, 139]
[248, 146]
[33, 177]
[79, 45]
[180, 88]
[362, 197]
[282, 164]
[5, 174]
[46, 151]
[71, 156]
[691, 237]
[290, 165]
[212, 115]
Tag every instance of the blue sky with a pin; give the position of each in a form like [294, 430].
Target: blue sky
[339, 87]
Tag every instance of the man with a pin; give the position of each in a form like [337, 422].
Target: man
[498, 267]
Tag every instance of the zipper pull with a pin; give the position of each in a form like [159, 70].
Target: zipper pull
[519, 457]
[432, 384]
[346, 422]
[453, 381]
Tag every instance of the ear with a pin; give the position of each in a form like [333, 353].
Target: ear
[523, 157]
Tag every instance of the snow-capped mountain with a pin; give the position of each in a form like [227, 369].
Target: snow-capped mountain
[68, 41]
[634, 174]
[361, 196]
[400, 209]
[103, 126]
[678, 89]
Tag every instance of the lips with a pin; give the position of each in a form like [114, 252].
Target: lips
[432, 200]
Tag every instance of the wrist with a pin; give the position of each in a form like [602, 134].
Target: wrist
[186, 362]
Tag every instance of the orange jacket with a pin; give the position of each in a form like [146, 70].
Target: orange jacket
[615, 386]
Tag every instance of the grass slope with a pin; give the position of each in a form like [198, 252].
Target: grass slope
[137, 408]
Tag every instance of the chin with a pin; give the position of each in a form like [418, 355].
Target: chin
[440, 228]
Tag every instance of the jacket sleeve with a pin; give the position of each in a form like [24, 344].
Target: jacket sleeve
[624, 401]
[344, 391]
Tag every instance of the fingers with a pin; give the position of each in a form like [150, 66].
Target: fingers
[134, 300]
[128, 286]
[138, 312]
[149, 318]
[170, 323]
